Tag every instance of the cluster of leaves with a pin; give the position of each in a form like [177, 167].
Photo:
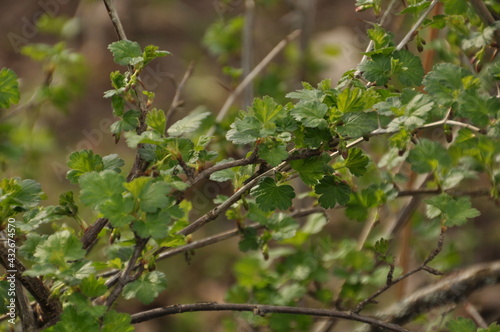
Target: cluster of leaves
[313, 138]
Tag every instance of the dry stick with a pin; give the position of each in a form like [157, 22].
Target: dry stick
[176, 102]
[361, 305]
[251, 76]
[115, 19]
[260, 310]
[451, 289]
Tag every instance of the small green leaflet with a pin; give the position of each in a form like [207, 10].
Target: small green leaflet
[151, 195]
[494, 327]
[118, 210]
[351, 100]
[427, 156]
[249, 240]
[357, 124]
[273, 152]
[188, 124]
[146, 288]
[74, 320]
[9, 88]
[454, 212]
[266, 109]
[311, 114]
[126, 52]
[244, 131]
[271, 196]
[117, 322]
[455, 7]
[156, 120]
[311, 170]
[446, 82]
[461, 324]
[59, 248]
[377, 69]
[151, 52]
[332, 191]
[411, 70]
[356, 162]
[97, 188]
[93, 287]
[154, 226]
[85, 161]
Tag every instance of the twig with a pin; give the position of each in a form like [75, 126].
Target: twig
[361, 305]
[251, 76]
[115, 19]
[260, 310]
[415, 26]
[247, 52]
[125, 276]
[475, 315]
[176, 102]
[449, 290]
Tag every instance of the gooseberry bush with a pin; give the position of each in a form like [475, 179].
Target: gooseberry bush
[392, 135]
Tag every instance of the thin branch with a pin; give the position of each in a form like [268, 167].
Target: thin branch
[361, 305]
[451, 289]
[415, 26]
[125, 276]
[251, 76]
[115, 19]
[260, 310]
[176, 102]
[451, 192]
[247, 52]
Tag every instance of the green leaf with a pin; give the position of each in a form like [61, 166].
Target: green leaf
[9, 88]
[118, 210]
[461, 324]
[311, 170]
[126, 52]
[446, 82]
[151, 52]
[411, 70]
[377, 69]
[271, 196]
[146, 288]
[156, 120]
[357, 124]
[356, 162]
[332, 191]
[266, 109]
[427, 156]
[494, 327]
[273, 152]
[97, 188]
[244, 131]
[155, 225]
[74, 320]
[59, 248]
[113, 162]
[151, 195]
[310, 114]
[187, 124]
[117, 322]
[93, 287]
[315, 223]
[82, 162]
[249, 240]
[454, 212]
[455, 7]
[351, 100]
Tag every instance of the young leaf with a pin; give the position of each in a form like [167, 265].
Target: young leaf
[126, 52]
[59, 248]
[73, 319]
[446, 83]
[357, 124]
[244, 131]
[377, 69]
[273, 152]
[9, 88]
[154, 226]
[311, 170]
[93, 287]
[356, 162]
[411, 71]
[112, 162]
[454, 212]
[249, 240]
[271, 196]
[146, 288]
[332, 191]
[427, 156]
[266, 109]
[82, 162]
[156, 120]
[118, 210]
[151, 195]
[310, 114]
[151, 52]
[186, 125]
[97, 188]
[117, 322]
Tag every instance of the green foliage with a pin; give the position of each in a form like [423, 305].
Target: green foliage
[9, 88]
[271, 196]
[147, 287]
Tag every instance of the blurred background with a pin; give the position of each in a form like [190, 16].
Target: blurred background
[62, 108]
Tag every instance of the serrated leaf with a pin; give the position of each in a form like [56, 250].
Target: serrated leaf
[311, 170]
[357, 124]
[310, 114]
[152, 52]
[93, 287]
[271, 196]
[82, 162]
[97, 188]
[266, 109]
[154, 225]
[411, 71]
[112, 162]
[150, 195]
[117, 322]
[494, 327]
[118, 210]
[427, 156]
[356, 162]
[446, 83]
[351, 100]
[156, 120]
[188, 124]
[332, 191]
[377, 69]
[59, 248]
[454, 212]
[126, 52]
[244, 131]
[461, 324]
[146, 288]
[249, 240]
[73, 320]
[9, 88]
[273, 152]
